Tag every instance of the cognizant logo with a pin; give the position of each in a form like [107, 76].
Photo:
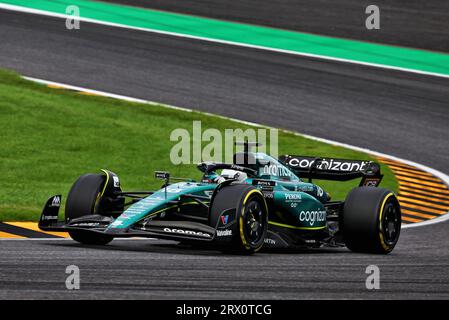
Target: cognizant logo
[329, 164]
[312, 216]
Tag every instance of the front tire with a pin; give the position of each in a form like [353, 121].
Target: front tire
[371, 221]
[84, 199]
[247, 208]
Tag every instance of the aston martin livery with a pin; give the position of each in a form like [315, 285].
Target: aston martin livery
[255, 202]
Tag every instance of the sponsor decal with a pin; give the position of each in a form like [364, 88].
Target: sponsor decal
[268, 194]
[238, 168]
[264, 183]
[187, 232]
[56, 202]
[329, 164]
[269, 241]
[116, 181]
[86, 224]
[224, 219]
[304, 188]
[224, 233]
[49, 217]
[292, 197]
[266, 186]
[276, 170]
[312, 216]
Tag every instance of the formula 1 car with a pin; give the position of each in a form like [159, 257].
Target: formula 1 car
[257, 201]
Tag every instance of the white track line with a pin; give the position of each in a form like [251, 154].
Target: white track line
[436, 173]
[232, 43]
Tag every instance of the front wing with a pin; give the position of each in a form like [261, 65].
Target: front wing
[171, 230]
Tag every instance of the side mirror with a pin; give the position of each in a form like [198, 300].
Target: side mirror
[163, 175]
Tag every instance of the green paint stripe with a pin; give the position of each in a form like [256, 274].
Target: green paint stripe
[398, 57]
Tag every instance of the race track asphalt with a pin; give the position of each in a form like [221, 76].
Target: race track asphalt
[410, 23]
[154, 269]
[392, 112]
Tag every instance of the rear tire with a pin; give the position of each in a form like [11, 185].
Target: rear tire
[246, 207]
[84, 199]
[371, 221]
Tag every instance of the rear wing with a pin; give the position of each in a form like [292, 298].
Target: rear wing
[334, 169]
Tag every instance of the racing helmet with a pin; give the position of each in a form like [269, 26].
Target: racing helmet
[234, 174]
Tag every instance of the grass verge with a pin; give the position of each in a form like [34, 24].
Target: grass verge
[50, 137]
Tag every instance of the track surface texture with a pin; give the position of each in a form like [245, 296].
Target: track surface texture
[417, 24]
[392, 112]
[141, 269]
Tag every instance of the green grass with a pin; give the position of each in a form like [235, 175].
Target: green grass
[50, 137]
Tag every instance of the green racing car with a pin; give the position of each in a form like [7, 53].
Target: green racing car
[256, 201]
